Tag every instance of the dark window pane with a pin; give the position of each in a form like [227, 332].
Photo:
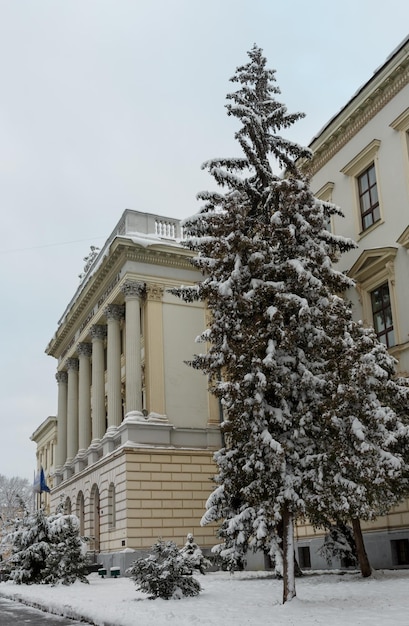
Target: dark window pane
[382, 315]
[365, 202]
[368, 197]
[363, 183]
[376, 214]
[371, 175]
[379, 322]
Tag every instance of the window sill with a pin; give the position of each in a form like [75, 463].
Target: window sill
[374, 226]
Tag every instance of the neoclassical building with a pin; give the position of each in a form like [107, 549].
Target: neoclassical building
[136, 427]
[45, 436]
[361, 164]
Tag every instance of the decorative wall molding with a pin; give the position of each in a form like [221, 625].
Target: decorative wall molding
[344, 130]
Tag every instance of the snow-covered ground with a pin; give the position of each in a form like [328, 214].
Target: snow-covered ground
[246, 598]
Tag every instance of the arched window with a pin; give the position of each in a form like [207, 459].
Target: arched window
[95, 518]
[80, 511]
[111, 506]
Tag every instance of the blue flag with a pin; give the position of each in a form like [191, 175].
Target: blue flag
[40, 484]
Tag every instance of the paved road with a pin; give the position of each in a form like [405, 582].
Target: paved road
[16, 614]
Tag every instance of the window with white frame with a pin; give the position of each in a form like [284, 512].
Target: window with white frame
[374, 273]
[368, 197]
[382, 314]
[401, 125]
[362, 170]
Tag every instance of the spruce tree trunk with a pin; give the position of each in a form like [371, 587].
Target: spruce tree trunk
[288, 556]
[364, 564]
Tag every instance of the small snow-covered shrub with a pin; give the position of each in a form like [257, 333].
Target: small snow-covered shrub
[165, 573]
[194, 556]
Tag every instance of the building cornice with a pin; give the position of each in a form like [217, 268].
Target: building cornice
[392, 77]
[45, 427]
[107, 279]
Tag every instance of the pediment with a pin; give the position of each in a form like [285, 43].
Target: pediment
[371, 262]
[403, 240]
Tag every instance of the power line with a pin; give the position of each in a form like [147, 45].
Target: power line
[50, 245]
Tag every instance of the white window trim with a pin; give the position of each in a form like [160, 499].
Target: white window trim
[372, 269]
[353, 169]
[401, 125]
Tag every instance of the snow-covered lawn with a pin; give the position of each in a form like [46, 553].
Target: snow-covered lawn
[238, 600]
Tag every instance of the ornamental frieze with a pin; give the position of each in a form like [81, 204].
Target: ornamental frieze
[359, 118]
[155, 292]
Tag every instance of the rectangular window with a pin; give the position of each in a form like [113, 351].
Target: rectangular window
[382, 315]
[400, 551]
[304, 557]
[368, 197]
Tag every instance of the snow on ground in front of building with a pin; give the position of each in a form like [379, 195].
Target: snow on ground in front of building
[242, 599]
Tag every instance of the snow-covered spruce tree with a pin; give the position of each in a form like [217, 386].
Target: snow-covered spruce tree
[166, 573]
[46, 550]
[29, 546]
[277, 326]
[339, 543]
[194, 556]
[363, 467]
[66, 562]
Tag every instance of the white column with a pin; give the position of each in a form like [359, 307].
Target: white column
[61, 451]
[98, 413]
[84, 351]
[154, 357]
[133, 292]
[72, 409]
[114, 313]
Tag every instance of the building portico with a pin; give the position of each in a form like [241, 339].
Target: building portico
[128, 406]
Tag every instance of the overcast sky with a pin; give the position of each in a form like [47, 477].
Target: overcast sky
[114, 104]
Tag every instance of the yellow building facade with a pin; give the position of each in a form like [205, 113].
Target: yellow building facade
[136, 428]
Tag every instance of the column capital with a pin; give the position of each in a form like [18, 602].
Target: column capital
[61, 377]
[155, 291]
[133, 289]
[114, 312]
[98, 331]
[72, 364]
[84, 349]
